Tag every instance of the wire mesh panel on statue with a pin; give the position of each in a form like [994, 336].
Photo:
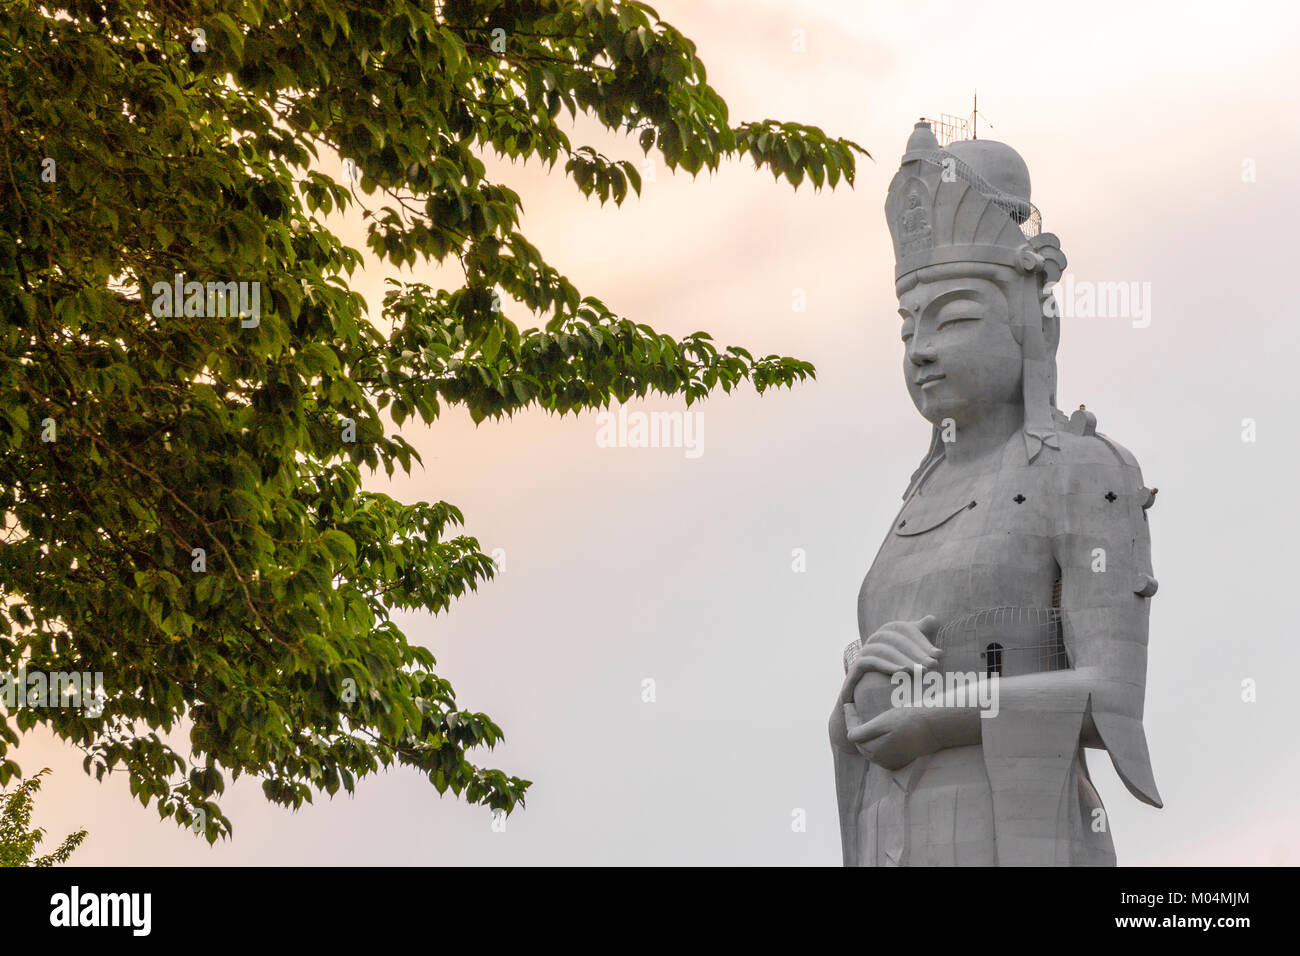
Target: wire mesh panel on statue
[1008, 641]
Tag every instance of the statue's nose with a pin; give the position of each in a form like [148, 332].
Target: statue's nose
[921, 352]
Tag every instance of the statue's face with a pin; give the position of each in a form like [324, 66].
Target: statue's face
[960, 358]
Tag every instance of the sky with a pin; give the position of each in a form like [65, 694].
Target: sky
[1161, 140]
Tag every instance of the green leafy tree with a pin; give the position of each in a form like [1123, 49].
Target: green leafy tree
[184, 500]
[17, 842]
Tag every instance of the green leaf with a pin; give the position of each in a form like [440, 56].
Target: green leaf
[492, 343]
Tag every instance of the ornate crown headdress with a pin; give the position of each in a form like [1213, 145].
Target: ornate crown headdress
[942, 208]
[969, 202]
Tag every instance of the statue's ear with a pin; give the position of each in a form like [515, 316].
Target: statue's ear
[1051, 324]
[1048, 246]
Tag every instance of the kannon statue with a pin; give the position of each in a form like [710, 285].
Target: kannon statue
[1020, 562]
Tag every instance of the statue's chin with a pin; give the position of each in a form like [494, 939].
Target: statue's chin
[961, 412]
[940, 413]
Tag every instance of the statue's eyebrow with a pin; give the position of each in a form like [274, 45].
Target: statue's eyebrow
[952, 295]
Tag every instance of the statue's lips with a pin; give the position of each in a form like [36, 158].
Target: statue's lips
[930, 380]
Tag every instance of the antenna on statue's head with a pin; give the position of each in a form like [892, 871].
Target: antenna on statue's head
[975, 118]
[949, 129]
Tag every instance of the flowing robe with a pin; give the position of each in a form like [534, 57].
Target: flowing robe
[1003, 538]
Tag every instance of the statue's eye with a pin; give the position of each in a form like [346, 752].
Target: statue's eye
[957, 318]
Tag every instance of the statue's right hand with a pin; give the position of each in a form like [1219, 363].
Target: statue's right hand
[897, 646]
[865, 694]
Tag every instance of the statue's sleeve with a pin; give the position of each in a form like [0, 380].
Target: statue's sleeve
[1103, 547]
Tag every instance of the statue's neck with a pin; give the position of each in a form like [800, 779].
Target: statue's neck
[984, 436]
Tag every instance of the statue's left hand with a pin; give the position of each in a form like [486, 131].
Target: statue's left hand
[901, 734]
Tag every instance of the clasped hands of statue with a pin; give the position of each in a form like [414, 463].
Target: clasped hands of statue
[866, 719]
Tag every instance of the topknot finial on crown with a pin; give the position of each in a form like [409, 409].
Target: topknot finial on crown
[922, 139]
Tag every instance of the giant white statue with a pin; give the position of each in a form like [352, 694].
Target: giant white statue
[1003, 624]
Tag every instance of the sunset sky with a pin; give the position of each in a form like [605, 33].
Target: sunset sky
[1162, 143]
